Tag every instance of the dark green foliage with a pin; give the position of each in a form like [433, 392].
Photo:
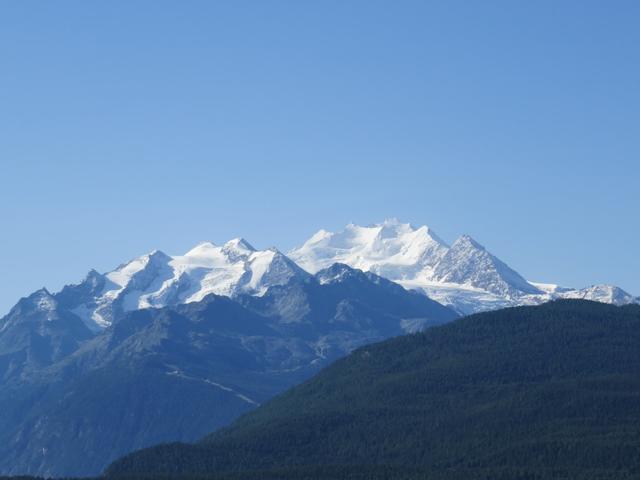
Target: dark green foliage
[526, 393]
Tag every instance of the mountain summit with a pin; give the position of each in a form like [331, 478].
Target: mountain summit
[469, 263]
[391, 249]
[158, 280]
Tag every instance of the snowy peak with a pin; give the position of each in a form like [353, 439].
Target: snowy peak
[209, 252]
[392, 249]
[93, 279]
[121, 276]
[39, 301]
[238, 246]
[268, 268]
[414, 257]
[603, 293]
[234, 268]
[465, 275]
[43, 300]
[390, 228]
[157, 280]
[39, 307]
[203, 249]
[336, 273]
[469, 263]
[39, 296]
[467, 242]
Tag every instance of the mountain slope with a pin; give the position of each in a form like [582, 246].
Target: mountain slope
[36, 333]
[167, 374]
[551, 391]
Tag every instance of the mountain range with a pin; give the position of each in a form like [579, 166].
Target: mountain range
[72, 400]
[463, 275]
[159, 280]
[169, 348]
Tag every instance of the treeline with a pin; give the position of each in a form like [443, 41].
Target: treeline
[381, 472]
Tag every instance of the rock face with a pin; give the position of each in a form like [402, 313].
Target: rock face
[464, 276]
[468, 263]
[35, 334]
[72, 401]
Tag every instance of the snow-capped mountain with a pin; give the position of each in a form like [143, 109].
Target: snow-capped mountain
[73, 401]
[157, 280]
[468, 263]
[464, 275]
[391, 249]
[598, 293]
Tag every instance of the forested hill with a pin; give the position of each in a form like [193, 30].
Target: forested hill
[551, 391]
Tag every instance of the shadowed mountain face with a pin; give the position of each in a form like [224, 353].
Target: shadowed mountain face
[36, 333]
[551, 391]
[71, 401]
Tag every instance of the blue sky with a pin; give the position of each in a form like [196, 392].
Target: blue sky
[129, 126]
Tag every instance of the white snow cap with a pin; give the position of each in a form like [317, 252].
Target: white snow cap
[465, 275]
[158, 280]
[391, 248]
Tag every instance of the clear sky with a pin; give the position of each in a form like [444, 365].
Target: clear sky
[129, 126]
